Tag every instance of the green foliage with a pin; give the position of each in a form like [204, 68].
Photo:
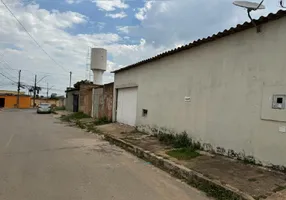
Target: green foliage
[92, 128]
[249, 160]
[74, 116]
[182, 141]
[80, 124]
[183, 153]
[177, 140]
[59, 108]
[85, 82]
[167, 139]
[279, 188]
[101, 121]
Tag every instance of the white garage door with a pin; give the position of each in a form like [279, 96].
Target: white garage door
[127, 106]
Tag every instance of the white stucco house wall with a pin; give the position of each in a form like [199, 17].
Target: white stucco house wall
[226, 91]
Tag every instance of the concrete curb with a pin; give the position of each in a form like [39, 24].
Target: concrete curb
[212, 188]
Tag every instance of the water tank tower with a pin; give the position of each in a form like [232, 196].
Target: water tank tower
[98, 64]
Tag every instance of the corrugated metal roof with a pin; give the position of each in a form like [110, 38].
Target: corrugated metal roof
[226, 32]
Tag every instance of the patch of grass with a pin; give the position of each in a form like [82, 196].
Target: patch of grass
[80, 124]
[74, 116]
[252, 179]
[183, 153]
[59, 108]
[279, 188]
[92, 128]
[249, 160]
[181, 140]
[101, 121]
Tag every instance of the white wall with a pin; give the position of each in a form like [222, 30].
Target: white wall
[225, 80]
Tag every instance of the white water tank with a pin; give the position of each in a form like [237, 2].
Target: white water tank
[98, 64]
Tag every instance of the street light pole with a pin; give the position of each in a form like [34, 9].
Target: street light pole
[35, 87]
[19, 85]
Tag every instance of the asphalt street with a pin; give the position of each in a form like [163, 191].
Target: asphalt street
[43, 159]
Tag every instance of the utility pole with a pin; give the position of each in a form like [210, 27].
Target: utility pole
[35, 87]
[19, 86]
[70, 78]
[47, 91]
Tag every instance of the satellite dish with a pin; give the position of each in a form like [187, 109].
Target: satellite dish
[250, 6]
[282, 4]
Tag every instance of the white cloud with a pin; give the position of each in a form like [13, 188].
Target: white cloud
[163, 25]
[122, 29]
[141, 14]
[73, 1]
[117, 15]
[110, 5]
[49, 30]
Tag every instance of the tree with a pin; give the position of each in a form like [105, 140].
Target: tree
[77, 84]
[54, 96]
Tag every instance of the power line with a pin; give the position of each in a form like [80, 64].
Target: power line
[7, 77]
[32, 36]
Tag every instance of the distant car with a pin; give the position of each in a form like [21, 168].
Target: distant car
[44, 108]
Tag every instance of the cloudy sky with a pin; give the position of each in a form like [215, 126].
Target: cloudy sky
[130, 30]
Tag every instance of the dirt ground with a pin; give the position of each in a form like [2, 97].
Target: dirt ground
[253, 180]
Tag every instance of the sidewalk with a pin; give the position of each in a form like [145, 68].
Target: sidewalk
[255, 181]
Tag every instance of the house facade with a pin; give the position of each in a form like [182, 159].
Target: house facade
[91, 99]
[227, 91]
[10, 101]
[55, 102]
[103, 101]
[72, 99]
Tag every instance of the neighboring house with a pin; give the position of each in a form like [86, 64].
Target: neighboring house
[91, 99]
[85, 97]
[11, 92]
[79, 99]
[9, 100]
[103, 101]
[55, 102]
[72, 99]
[227, 91]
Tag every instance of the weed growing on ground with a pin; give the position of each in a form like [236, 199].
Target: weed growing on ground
[80, 124]
[279, 188]
[92, 128]
[183, 153]
[252, 179]
[59, 108]
[249, 160]
[178, 140]
[74, 116]
[182, 141]
[101, 121]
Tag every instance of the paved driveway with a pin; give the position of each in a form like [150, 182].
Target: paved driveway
[41, 159]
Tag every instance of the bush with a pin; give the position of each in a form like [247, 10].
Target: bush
[59, 108]
[181, 140]
[74, 116]
[183, 153]
[80, 124]
[101, 121]
[167, 139]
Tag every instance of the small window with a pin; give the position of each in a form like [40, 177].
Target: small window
[144, 113]
[279, 100]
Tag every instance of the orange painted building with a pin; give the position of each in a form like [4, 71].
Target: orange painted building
[10, 101]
